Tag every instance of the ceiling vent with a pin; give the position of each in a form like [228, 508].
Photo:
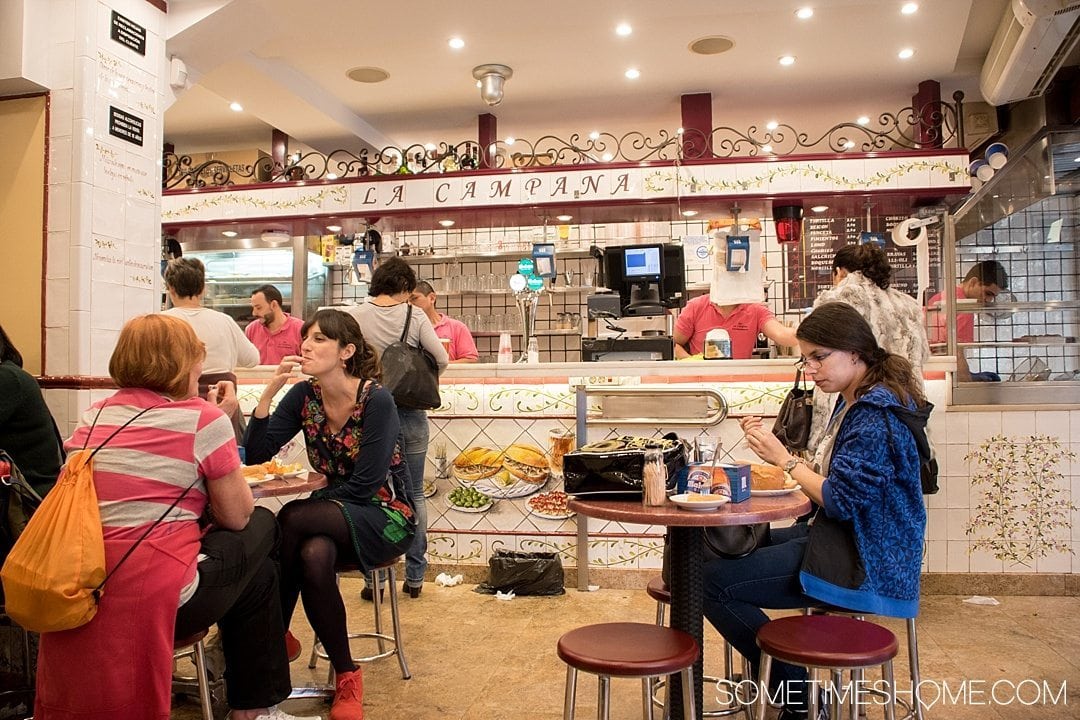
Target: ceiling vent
[1032, 41]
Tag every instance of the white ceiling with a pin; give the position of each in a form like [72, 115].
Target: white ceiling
[285, 62]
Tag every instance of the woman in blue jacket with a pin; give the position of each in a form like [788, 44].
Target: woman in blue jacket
[863, 549]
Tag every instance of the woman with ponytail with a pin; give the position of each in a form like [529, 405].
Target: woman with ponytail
[862, 551]
[365, 515]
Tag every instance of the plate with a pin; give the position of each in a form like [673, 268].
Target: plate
[294, 473]
[504, 485]
[707, 502]
[773, 493]
[547, 516]
[430, 488]
[482, 508]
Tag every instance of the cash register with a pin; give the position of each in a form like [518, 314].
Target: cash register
[631, 321]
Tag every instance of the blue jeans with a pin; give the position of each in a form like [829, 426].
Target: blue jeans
[736, 590]
[414, 443]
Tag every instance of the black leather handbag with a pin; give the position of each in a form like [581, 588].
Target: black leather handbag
[792, 425]
[615, 467]
[411, 373]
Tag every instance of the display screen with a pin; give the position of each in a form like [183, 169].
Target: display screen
[641, 262]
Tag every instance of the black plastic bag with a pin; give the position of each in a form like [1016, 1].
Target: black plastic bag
[524, 573]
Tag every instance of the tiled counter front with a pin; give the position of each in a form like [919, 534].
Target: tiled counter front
[496, 406]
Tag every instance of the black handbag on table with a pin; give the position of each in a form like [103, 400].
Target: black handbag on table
[614, 467]
[410, 373]
[792, 426]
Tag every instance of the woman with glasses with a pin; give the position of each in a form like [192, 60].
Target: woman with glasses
[866, 483]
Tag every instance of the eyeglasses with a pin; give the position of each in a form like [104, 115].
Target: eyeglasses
[813, 362]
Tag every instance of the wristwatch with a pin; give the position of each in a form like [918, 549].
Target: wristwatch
[790, 464]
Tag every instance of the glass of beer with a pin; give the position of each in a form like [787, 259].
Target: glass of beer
[560, 442]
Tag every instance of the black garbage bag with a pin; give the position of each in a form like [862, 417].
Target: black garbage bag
[525, 573]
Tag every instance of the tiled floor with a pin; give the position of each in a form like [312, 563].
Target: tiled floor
[477, 658]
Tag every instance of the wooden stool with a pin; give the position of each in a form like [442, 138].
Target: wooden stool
[829, 642]
[633, 650]
[192, 646]
[659, 591]
[388, 570]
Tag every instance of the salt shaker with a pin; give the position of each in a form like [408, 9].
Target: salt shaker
[654, 478]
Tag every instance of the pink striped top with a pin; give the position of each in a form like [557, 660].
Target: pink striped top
[150, 463]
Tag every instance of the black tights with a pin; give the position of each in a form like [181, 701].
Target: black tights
[314, 535]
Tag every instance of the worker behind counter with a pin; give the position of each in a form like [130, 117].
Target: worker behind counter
[462, 347]
[274, 332]
[742, 322]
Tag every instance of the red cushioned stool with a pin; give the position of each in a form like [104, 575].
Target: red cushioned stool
[631, 650]
[659, 591]
[388, 572]
[828, 642]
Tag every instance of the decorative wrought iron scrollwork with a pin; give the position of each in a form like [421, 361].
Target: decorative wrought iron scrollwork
[938, 124]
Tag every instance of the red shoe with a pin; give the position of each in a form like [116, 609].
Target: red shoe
[292, 646]
[349, 698]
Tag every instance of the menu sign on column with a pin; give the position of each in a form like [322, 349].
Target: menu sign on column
[128, 33]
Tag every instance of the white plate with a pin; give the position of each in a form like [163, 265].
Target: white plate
[547, 516]
[482, 508]
[294, 473]
[707, 502]
[252, 481]
[773, 493]
[430, 488]
[503, 485]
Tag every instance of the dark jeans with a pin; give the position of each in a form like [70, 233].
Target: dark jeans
[736, 590]
[238, 590]
[414, 444]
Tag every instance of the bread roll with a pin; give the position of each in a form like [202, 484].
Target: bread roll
[766, 477]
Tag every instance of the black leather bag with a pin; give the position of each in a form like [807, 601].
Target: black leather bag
[411, 373]
[792, 425]
[615, 467]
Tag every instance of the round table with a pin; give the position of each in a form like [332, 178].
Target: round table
[686, 538]
[303, 483]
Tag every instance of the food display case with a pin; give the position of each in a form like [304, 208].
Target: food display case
[234, 270]
[1026, 217]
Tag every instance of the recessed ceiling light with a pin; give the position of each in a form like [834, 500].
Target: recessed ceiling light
[711, 45]
[594, 135]
[564, 218]
[446, 223]
[623, 29]
[804, 13]
[367, 74]
[606, 157]
[331, 176]
[236, 107]
[511, 140]
[863, 120]
[766, 148]
[772, 125]
[909, 8]
[430, 147]
[689, 213]
[849, 144]
[334, 228]
[229, 233]
[787, 60]
[819, 208]
[680, 131]
[456, 43]
[633, 73]
[905, 53]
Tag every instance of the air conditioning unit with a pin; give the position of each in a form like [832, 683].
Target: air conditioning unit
[1032, 41]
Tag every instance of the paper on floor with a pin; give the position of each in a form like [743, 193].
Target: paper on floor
[448, 581]
[981, 600]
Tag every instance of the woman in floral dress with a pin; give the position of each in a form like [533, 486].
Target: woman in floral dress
[364, 516]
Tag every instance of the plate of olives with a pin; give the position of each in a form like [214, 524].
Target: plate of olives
[468, 499]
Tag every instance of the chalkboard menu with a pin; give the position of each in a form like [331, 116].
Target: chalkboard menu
[809, 264]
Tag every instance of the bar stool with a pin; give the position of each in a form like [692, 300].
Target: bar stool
[387, 571]
[829, 642]
[914, 710]
[192, 646]
[631, 650]
[659, 591]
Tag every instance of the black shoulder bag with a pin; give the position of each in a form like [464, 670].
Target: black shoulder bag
[411, 373]
[792, 426]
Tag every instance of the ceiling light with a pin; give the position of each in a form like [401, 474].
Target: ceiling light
[334, 228]
[564, 218]
[680, 131]
[772, 125]
[229, 233]
[236, 107]
[511, 140]
[633, 74]
[804, 13]
[909, 8]
[863, 120]
[819, 208]
[492, 79]
[594, 135]
[456, 43]
[905, 53]
[711, 45]
[446, 223]
[766, 148]
[430, 147]
[849, 144]
[367, 74]
[606, 157]
[623, 29]
[689, 213]
[331, 176]
[787, 60]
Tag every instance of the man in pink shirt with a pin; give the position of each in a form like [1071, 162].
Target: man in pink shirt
[983, 282]
[462, 347]
[273, 331]
[742, 322]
